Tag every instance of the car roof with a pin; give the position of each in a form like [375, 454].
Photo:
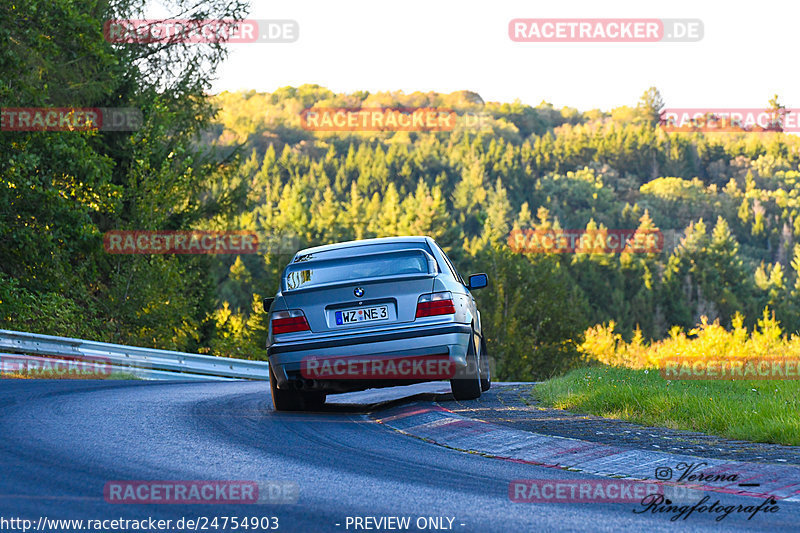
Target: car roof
[363, 242]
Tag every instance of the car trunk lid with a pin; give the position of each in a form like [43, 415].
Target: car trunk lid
[357, 292]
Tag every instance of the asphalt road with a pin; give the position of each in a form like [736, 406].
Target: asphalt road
[61, 442]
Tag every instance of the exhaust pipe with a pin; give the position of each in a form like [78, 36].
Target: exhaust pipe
[304, 384]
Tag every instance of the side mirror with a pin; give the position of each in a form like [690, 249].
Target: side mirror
[268, 303]
[478, 281]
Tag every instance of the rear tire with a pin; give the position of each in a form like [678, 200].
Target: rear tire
[468, 387]
[314, 400]
[291, 400]
[486, 371]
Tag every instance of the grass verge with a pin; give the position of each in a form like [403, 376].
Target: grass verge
[758, 411]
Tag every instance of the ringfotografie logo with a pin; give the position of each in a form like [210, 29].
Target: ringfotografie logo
[659, 504]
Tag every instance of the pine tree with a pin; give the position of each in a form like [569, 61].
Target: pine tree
[468, 196]
[326, 219]
[650, 105]
[498, 214]
[355, 214]
[387, 223]
[523, 220]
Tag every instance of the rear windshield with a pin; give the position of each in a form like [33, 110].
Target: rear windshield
[386, 264]
[362, 249]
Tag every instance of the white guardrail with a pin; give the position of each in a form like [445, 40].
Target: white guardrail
[144, 363]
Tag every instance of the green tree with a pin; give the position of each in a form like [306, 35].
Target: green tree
[650, 105]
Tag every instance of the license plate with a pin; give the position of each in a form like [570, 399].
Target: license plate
[362, 314]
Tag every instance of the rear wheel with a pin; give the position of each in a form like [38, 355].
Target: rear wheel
[468, 386]
[486, 371]
[292, 400]
[314, 400]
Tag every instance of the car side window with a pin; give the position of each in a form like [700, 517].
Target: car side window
[451, 267]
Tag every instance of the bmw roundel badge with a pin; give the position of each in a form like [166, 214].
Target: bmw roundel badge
[359, 292]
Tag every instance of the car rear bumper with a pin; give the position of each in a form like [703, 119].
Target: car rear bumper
[441, 341]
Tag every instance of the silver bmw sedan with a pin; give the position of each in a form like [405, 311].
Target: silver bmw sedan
[374, 313]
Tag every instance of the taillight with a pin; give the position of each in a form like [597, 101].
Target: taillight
[289, 322]
[438, 303]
